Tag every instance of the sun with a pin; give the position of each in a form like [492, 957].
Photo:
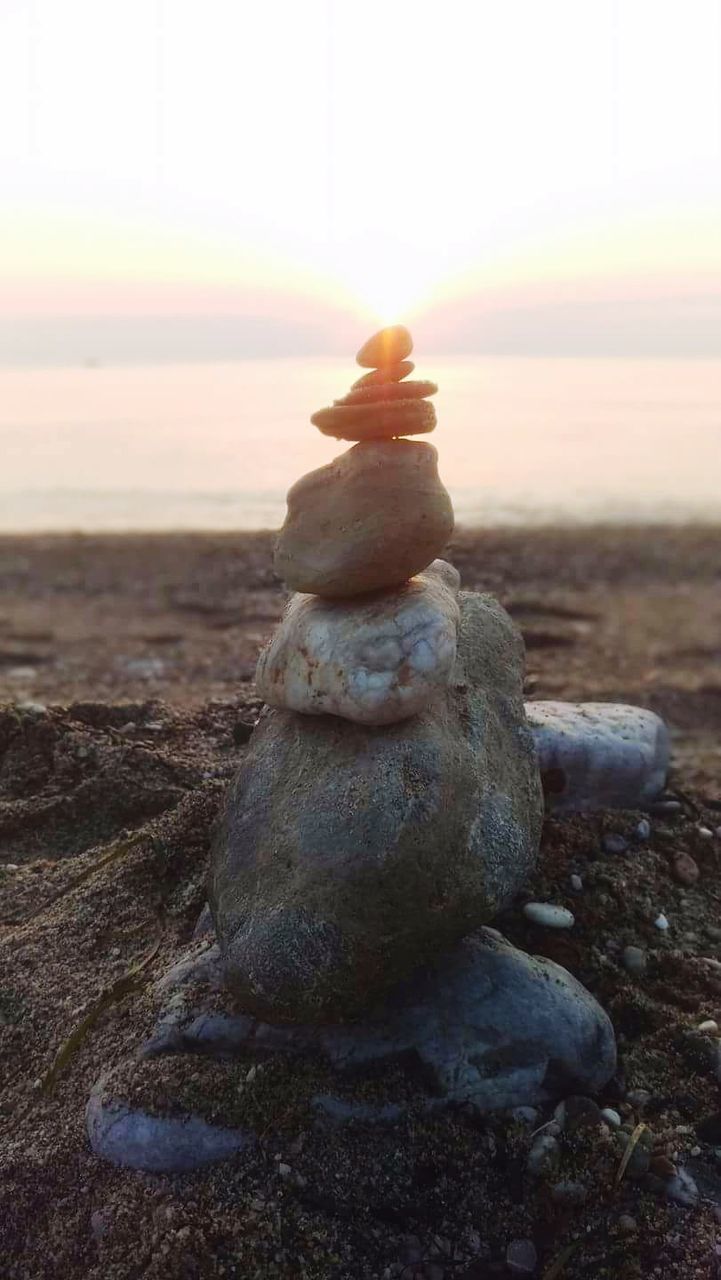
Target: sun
[388, 287]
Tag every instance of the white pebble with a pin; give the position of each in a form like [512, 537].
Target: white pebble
[548, 915]
[11, 866]
[661, 922]
[708, 1025]
[643, 829]
[705, 833]
[611, 1117]
[576, 884]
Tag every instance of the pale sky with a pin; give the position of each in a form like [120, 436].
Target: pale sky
[210, 177]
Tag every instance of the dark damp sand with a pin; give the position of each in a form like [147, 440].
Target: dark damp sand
[141, 650]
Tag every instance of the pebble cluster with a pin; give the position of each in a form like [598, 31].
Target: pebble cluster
[381, 405]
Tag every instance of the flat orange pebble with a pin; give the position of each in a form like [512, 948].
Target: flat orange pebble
[390, 373]
[384, 392]
[380, 421]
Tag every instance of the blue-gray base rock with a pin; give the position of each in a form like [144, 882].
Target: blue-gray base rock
[486, 1026]
[129, 1136]
[598, 755]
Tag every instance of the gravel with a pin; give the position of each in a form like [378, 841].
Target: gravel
[634, 960]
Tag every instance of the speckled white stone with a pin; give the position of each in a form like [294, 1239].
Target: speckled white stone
[598, 755]
[374, 660]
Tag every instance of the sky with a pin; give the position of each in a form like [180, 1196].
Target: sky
[199, 179]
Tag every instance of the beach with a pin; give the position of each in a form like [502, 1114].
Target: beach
[126, 702]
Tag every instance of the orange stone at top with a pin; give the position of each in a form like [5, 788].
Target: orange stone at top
[388, 346]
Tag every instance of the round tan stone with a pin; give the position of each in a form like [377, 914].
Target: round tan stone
[391, 373]
[386, 347]
[372, 518]
[380, 421]
[383, 392]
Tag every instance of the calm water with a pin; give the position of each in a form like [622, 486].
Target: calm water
[217, 445]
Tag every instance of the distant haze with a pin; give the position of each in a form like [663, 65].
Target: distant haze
[674, 327]
[190, 181]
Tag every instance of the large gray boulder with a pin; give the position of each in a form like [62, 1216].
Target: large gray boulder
[347, 855]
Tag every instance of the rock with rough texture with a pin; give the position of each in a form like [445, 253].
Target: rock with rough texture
[137, 1139]
[374, 660]
[346, 855]
[370, 519]
[387, 347]
[485, 1024]
[382, 420]
[599, 755]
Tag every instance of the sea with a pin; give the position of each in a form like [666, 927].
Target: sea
[521, 441]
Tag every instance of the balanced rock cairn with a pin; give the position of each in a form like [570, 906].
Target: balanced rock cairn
[390, 800]
[388, 805]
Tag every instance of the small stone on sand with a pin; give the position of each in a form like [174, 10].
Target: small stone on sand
[548, 915]
[685, 869]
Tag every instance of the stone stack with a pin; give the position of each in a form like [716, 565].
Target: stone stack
[390, 800]
[378, 514]
[388, 804]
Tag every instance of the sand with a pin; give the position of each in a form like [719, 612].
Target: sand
[126, 670]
